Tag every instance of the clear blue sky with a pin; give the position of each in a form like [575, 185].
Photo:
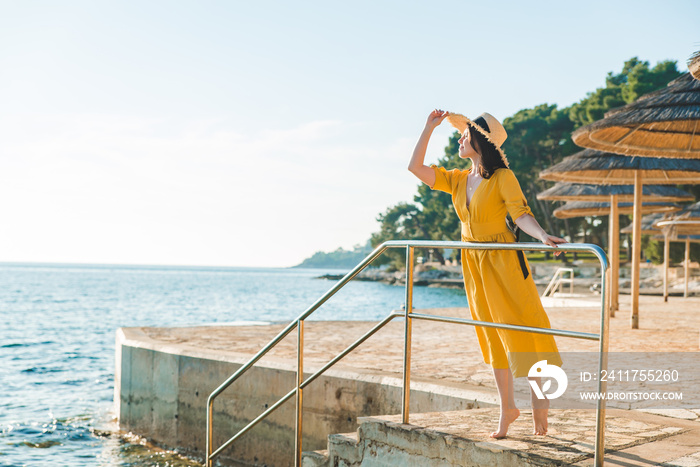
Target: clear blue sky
[255, 133]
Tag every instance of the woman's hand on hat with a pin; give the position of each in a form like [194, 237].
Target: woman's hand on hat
[436, 117]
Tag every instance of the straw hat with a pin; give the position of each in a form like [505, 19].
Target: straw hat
[487, 125]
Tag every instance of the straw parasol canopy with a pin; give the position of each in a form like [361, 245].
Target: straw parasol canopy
[588, 192]
[694, 65]
[691, 212]
[589, 208]
[648, 224]
[591, 166]
[681, 227]
[689, 221]
[663, 123]
[605, 168]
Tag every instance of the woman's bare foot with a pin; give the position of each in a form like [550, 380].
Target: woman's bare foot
[540, 410]
[508, 416]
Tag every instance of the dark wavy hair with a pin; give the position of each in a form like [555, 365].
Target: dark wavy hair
[491, 159]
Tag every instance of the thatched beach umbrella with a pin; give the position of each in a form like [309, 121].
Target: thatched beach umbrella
[694, 65]
[605, 168]
[589, 208]
[589, 192]
[649, 227]
[688, 239]
[663, 123]
[682, 226]
[592, 208]
[648, 222]
[612, 193]
[687, 222]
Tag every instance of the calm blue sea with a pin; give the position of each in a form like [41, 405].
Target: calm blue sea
[57, 332]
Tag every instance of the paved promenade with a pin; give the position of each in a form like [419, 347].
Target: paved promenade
[449, 352]
[447, 355]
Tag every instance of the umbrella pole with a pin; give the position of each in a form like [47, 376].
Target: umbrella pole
[686, 267]
[636, 247]
[666, 261]
[614, 229]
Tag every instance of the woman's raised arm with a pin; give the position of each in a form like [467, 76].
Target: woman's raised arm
[416, 166]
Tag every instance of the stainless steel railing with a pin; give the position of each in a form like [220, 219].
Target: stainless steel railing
[408, 315]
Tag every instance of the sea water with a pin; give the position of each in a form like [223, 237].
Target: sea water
[57, 334]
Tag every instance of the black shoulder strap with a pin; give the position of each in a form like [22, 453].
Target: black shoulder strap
[521, 256]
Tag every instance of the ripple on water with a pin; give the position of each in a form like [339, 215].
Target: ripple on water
[58, 441]
[43, 370]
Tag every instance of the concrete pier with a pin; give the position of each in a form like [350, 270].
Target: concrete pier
[164, 376]
[161, 389]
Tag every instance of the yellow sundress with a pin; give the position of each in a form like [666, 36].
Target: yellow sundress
[496, 288]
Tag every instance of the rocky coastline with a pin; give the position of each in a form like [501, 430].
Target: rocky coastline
[587, 277]
[427, 274]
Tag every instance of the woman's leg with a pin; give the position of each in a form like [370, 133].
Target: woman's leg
[509, 412]
[540, 410]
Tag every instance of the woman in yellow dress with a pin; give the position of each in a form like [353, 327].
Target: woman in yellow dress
[498, 283]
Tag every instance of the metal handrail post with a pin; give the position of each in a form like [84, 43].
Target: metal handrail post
[209, 445]
[571, 284]
[300, 379]
[407, 336]
[561, 282]
[599, 458]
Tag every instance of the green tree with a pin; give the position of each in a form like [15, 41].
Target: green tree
[403, 221]
[643, 80]
[338, 259]
[635, 79]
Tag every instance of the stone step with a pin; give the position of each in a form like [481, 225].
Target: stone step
[345, 447]
[340, 446]
[314, 458]
[461, 438]
[388, 442]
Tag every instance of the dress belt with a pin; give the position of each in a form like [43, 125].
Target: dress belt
[521, 256]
